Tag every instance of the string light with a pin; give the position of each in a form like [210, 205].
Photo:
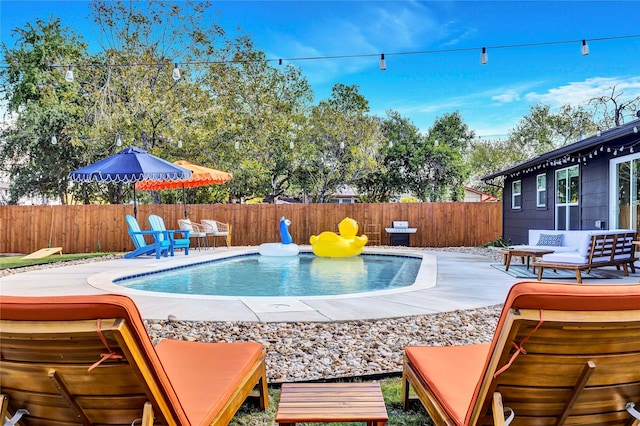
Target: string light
[291, 145]
[179, 143]
[585, 48]
[483, 56]
[69, 75]
[54, 140]
[118, 140]
[176, 72]
[341, 145]
[236, 145]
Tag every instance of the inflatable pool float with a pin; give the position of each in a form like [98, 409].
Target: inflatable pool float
[330, 244]
[285, 248]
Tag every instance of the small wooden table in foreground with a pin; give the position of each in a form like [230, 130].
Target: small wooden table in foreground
[527, 253]
[331, 402]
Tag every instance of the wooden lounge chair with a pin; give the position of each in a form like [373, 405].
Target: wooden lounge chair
[561, 354]
[159, 246]
[157, 224]
[88, 360]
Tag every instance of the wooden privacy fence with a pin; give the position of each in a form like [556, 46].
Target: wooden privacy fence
[91, 228]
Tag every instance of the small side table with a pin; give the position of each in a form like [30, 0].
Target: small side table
[524, 253]
[331, 402]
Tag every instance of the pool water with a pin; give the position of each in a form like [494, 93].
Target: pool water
[302, 275]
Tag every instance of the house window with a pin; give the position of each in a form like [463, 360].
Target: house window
[567, 196]
[541, 190]
[516, 194]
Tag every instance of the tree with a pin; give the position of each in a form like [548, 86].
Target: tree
[538, 132]
[45, 106]
[443, 170]
[402, 140]
[260, 109]
[341, 145]
[613, 108]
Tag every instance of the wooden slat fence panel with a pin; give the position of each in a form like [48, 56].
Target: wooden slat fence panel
[90, 228]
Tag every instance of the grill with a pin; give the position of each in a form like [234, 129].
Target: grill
[400, 232]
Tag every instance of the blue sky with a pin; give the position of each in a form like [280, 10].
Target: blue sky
[492, 98]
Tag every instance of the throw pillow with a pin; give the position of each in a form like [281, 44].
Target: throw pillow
[550, 240]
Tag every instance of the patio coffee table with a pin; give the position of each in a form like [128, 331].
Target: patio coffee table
[527, 253]
[331, 402]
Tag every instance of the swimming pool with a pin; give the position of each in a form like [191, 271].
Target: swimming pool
[302, 275]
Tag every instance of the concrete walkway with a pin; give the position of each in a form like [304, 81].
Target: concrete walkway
[448, 281]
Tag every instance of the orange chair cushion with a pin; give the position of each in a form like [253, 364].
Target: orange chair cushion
[452, 373]
[205, 375]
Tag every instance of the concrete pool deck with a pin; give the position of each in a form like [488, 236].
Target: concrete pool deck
[453, 281]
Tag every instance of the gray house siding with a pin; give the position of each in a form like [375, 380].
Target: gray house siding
[594, 193]
[516, 223]
[593, 156]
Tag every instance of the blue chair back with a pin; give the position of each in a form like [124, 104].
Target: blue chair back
[138, 239]
[157, 224]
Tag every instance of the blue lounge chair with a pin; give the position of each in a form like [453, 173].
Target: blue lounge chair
[160, 244]
[157, 224]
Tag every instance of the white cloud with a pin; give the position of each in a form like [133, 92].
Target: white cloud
[579, 92]
[511, 95]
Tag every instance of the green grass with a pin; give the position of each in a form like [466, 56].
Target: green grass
[251, 415]
[17, 261]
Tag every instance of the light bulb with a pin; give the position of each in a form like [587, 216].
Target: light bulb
[236, 145]
[69, 75]
[383, 63]
[179, 143]
[118, 140]
[54, 140]
[291, 145]
[585, 48]
[484, 58]
[176, 72]
[341, 145]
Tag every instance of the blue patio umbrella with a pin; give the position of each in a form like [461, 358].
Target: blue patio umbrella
[130, 165]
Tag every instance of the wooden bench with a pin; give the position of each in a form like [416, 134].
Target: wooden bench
[605, 250]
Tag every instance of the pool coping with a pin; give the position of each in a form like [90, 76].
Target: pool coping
[425, 278]
[463, 281]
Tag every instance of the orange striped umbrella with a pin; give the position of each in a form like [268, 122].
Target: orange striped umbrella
[200, 176]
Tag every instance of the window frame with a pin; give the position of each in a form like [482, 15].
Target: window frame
[515, 194]
[540, 190]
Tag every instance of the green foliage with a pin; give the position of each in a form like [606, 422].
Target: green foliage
[341, 144]
[536, 133]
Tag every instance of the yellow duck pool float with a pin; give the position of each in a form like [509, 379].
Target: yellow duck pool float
[330, 244]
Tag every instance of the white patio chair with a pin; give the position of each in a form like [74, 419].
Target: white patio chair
[217, 229]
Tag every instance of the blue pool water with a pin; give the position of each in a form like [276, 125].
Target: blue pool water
[302, 275]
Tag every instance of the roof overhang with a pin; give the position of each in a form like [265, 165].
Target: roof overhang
[621, 138]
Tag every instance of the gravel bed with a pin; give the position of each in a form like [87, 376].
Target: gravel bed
[304, 351]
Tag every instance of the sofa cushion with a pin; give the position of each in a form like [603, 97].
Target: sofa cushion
[549, 240]
[566, 257]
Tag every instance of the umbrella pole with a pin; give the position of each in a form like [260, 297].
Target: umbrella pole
[184, 202]
[135, 202]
